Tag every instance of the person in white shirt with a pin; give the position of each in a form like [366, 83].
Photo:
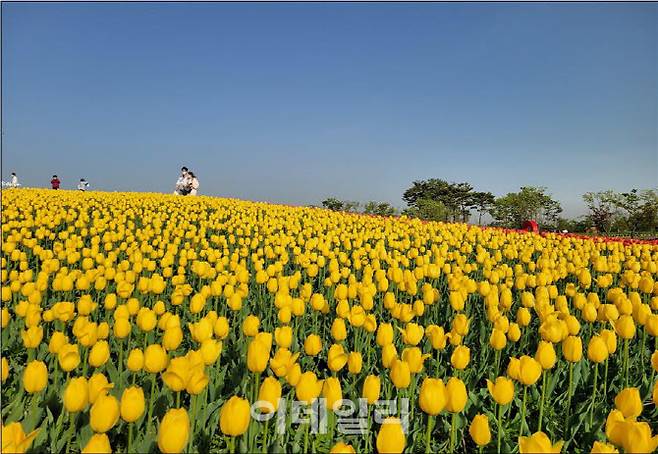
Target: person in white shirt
[83, 185]
[182, 183]
[193, 184]
[14, 180]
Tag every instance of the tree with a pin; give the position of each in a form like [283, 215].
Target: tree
[332, 204]
[482, 202]
[456, 198]
[602, 209]
[428, 210]
[529, 203]
[379, 208]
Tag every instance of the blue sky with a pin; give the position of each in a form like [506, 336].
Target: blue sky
[295, 102]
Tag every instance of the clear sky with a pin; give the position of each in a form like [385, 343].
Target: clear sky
[294, 102]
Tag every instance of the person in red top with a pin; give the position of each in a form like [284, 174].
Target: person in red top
[55, 182]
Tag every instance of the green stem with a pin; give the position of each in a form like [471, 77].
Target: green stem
[605, 380]
[130, 437]
[500, 427]
[428, 433]
[308, 425]
[267, 427]
[543, 397]
[591, 410]
[148, 420]
[453, 432]
[525, 395]
[625, 363]
[569, 391]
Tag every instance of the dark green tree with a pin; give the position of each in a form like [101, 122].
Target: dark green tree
[529, 203]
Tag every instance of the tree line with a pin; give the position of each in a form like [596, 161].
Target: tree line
[439, 200]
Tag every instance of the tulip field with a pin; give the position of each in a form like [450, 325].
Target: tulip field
[136, 322]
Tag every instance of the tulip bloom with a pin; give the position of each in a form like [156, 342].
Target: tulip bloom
[538, 442]
[132, 404]
[104, 413]
[342, 448]
[76, 395]
[97, 444]
[400, 374]
[391, 438]
[35, 377]
[68, 357]
[174, 431]
[14, 438]
[502, 390]
[432, 396]
[308, 387]
[337, 358]
[270, 392]
[460, 357]
[371, 388]
[572, 349]
[258, 352]
[155, 358]
[312, 345]
[628, 401]
[234, 416]
[332, 392]
[479, 430]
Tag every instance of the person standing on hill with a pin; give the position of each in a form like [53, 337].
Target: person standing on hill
[83, 185]
[54, 183]
[193, 184]
[183, 182]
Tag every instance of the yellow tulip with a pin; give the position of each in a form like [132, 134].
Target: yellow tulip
[174, 431]
[336, 358]
[98, 386]
[135, 360]
[529, 370]
[456, 395]
[97, 444]
[76, 395]
[270, 392]
[308, 387]
[251, 325]
[538, 442]
[258, 352]
[354, 362]
[597, 351]
[332, 392]
[99, 354]
[391, 438]
[371, 388]
[546, 355]
[603, 448]
[155, 358]
[68, 357]
[400, 374]
[338, 330]
[479, 430]
[312, 345]
[384, 334]
[572, 349]
[432, 396]
[35, 377]
[502, 390]
[234, 417]
[460, 357]
[132, 404]
[628, 401]
[342, 448]
[14, 438]
[283, 336]
[104, 413]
